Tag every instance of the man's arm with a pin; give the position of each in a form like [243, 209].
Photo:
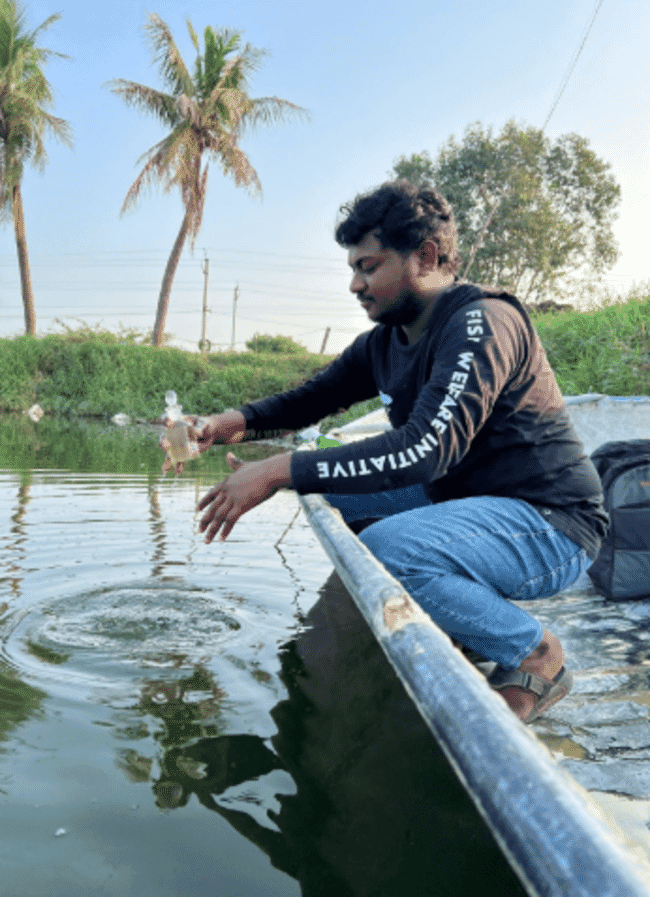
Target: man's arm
[248, 486]
[477, 354]
[347, 380]
[453, 406]
[226, 428]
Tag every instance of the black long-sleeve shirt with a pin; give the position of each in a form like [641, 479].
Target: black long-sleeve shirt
[475, 409]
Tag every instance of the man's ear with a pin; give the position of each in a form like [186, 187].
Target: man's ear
[427, 257]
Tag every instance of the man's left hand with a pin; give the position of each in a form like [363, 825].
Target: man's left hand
[248, 486]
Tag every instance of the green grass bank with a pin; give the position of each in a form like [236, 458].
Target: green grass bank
[97, 374]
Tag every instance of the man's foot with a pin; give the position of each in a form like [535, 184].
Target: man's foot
[542, 693]
[540, 681]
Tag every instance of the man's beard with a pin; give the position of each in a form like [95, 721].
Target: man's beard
[403, 314]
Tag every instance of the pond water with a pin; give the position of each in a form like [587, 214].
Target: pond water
[183, 720]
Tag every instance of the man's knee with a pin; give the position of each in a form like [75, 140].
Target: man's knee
[382, 539]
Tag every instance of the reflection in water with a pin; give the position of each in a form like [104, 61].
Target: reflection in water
[14, 542]
[90, 446]
[384, 812]
[18, 701]
[189, 708]
[376, 809]
[75, 444]
[157, 531]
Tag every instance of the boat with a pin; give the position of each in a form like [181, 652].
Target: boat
[567, 798]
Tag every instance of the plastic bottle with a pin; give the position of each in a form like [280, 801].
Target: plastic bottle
[181, 447]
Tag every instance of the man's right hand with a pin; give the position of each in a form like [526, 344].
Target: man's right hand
[221, 429]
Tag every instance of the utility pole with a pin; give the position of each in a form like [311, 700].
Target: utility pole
[205, 268]
[325, 338]
[234, 315]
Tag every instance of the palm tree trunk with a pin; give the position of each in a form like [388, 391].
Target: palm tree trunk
[23, 263]
[168, 277]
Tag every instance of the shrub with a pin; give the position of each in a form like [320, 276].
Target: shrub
[281, 345]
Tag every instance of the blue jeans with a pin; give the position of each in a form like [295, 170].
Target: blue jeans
[461, 560]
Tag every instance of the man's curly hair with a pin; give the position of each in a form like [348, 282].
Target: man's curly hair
[403, 217]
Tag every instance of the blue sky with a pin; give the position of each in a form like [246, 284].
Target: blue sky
[380, 79]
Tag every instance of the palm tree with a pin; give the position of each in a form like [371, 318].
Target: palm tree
[207, 112]
[24, 92]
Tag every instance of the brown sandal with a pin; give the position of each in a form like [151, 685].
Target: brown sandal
[547, 691]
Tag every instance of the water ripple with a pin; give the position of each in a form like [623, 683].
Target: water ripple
[110, 631]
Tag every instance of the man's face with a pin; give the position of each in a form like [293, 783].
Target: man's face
[385, 282]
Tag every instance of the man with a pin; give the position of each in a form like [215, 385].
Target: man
[481, 492]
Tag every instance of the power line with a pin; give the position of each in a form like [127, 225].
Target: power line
[322, 259]
[572, 65]
[479, 242]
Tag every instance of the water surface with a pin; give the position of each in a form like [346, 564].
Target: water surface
[183, 720]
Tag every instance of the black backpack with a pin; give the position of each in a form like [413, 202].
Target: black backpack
[622, 569]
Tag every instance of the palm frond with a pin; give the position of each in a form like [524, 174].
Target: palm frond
[225, 109]
[44, 25]
[58, 128]
[273, 110]
[219, 44]
[162, 106]
[235, 163]
[235, 72]
[227, 39]
[193, 35]
[168, 164]
[167, 56]
[149, 176]
[244, 113]
[45, 53]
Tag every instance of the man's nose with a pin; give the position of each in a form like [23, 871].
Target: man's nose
[358, 283]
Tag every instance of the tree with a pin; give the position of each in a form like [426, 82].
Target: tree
[24, 95]
[533, 214]
[418, 168]
[207, 113]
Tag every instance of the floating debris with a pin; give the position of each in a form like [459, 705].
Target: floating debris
[34, 413]
[121, 419]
